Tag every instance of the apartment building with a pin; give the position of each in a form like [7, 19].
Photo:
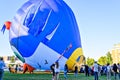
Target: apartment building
[7, 60]
[115, 53]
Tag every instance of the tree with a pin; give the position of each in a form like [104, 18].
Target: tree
[12, 59]
[102, 60]
[90, 61]
[109, 58]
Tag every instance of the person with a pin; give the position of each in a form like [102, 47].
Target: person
[81, 70]
[86, 70]
[108, 71]
[115, 68]
[65, 71]
[52, 67]
[16, 68]
[96, 70]
[9, 68]
[76, 71]
[118, 70]
[57, 70]
[99, 70]
[2, 66]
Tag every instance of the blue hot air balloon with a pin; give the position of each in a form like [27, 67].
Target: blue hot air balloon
[45, 31]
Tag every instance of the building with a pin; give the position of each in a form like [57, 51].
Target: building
[115, 53]
[8, 60]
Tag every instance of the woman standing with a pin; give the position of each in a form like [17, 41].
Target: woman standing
[57, 70]
[65, 71]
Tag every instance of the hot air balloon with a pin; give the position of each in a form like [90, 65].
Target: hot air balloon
[45, 31]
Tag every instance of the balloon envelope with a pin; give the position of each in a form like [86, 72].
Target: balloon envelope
[46, 31]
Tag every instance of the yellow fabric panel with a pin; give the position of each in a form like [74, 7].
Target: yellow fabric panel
[71, 62]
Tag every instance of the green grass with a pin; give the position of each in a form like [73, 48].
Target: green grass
[47, 76]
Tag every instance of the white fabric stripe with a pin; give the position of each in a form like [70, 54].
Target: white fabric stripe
[11, 35]
[37, 7]
[51, 35]
[47, 19]
[17, 27]
[14, 35]
[19, 16]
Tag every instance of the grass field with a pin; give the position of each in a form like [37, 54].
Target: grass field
[47, 76]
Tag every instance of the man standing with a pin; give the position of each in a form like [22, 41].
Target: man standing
[96, 71]
[2, 66]
[115, 68]
[108, 71]
[76, 71]
[86, 70]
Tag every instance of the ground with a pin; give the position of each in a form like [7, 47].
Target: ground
[47, 76]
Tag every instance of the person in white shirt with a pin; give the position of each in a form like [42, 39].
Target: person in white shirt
[108, 71]
[2, 66]
[57, 70]
[96, 71]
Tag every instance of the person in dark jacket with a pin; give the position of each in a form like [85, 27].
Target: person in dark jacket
[52, 67]
[115, 71]
[76, 71]
[86, 70]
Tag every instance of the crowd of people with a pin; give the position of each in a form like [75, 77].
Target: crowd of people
[97, 70]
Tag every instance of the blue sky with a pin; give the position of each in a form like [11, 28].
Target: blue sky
[98, 20]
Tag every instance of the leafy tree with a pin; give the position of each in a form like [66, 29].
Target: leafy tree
[102, 60]
[109, 58]
[12, 59]
[90, 61]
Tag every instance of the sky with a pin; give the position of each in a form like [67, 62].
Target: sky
[98, 21]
